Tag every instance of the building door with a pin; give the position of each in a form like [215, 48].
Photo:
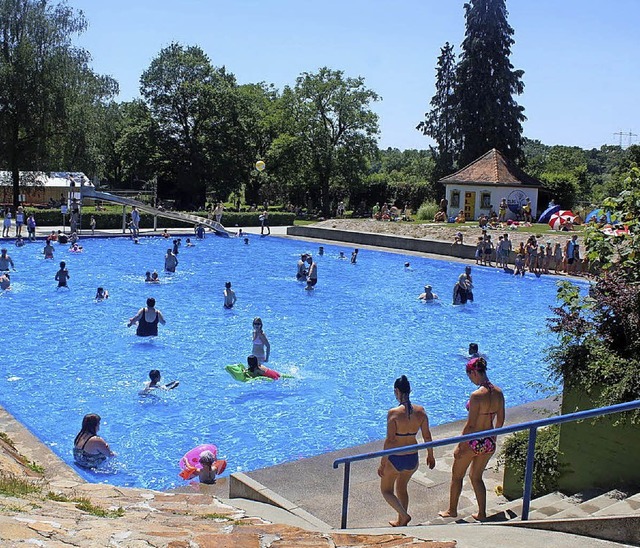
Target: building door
[470, 206]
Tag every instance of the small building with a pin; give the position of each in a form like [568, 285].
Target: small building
[479, 188]
[38, 188]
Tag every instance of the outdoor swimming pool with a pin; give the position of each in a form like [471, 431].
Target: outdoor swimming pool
[345, 343]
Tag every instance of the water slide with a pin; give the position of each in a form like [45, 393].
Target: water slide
[90, 192]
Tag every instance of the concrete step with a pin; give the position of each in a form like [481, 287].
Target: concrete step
[603, 501]
[549, 505]
[627, 507]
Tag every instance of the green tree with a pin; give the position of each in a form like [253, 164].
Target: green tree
[486, 82]
[332, 131]
[46, 89]
[440, 121]
[196, 112]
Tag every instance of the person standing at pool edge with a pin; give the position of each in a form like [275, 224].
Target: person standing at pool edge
[148, 319]
[261, 347]
[395, 471]
[89, 449]
[486, 411]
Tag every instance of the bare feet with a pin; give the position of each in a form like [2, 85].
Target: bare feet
[479, 517]
[448, 514]
[401, 521]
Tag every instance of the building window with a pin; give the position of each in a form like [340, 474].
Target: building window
[485, 200]
[455, 198]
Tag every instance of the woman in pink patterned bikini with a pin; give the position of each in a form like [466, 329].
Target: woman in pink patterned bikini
[486, 411]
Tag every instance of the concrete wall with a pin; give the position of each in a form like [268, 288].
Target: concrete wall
[598, 455]
[384, 240]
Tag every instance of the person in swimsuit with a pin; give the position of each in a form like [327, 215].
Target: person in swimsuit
[48, 250]
[6, 225]
[154, 383]
[207, 473]
[486, 411]
[101, 294]
[395, 471]
[62, 276]
[5, 261]
[301, 273]
[89, 449]
[428, 295]
[147, 319]
[312, 273]
[460, 290]
[229, 296]
[261, 346]
[256, 369]
[170, 261]
[5, 281]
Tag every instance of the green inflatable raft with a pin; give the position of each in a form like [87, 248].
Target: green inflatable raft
[239, 372]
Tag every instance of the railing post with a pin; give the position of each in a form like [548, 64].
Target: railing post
[528, 474]
[345, 495]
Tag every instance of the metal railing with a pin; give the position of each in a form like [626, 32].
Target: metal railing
[532, 426]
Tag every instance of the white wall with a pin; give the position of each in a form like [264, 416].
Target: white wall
[515, 195]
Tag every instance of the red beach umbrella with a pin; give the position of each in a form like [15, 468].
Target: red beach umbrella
[557, 220]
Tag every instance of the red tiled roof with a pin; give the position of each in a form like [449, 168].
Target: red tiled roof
[491, 169]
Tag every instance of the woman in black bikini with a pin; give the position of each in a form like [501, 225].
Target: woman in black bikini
[395, 471]
[89, 449]
[486, 411]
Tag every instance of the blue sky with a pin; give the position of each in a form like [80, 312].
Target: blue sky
[580, 57]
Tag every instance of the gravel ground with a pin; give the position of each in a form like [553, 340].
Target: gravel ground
[440, 231]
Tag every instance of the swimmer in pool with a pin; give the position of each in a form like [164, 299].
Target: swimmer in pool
[5, 281]
[428, 294]
[102, 294]
[301, 273]
[254, 368]
[246, 241]
[229, 296]
[62, 276]
[154, 383]
[147, 319]
[170, 260]
[147, 277]
[154, 278]
[5, 261]
[261, 346]
[207, 474]
[89, 449]
[189, 243]
[48, 250]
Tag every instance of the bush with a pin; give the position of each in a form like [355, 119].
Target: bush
[113, 220]
[427, 211]
[546, 467]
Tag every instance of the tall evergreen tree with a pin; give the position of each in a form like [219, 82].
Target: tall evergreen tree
[439, 122]
[487, 114]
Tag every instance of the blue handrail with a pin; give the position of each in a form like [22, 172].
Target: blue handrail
[532, 426]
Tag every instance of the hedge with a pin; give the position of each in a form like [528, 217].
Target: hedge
[110, 220]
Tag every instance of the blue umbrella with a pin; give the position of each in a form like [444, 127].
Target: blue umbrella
[546, 214]
[597, 214]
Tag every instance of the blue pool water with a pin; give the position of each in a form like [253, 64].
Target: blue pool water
[345, 343]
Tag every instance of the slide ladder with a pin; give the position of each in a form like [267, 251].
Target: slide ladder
[90, 192]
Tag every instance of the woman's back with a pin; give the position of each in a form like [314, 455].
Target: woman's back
[407, 425]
